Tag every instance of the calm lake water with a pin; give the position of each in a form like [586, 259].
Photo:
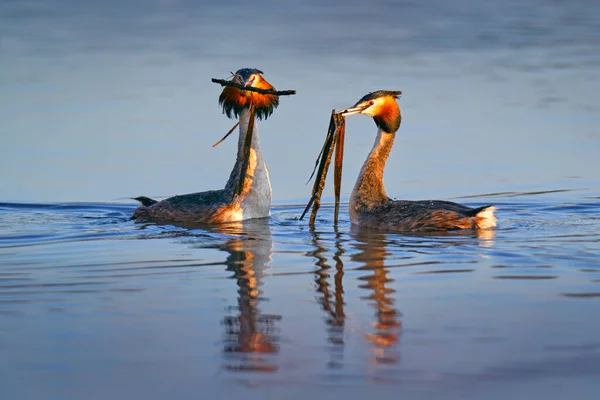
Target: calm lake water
[94, 305]
[103, 101]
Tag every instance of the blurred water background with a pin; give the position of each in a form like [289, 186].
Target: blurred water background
[103, 100]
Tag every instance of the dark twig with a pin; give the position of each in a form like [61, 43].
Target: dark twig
[226, 135]
[339, 160]
[326, 153]
[246, 154]
[224, 82]
[327, 143]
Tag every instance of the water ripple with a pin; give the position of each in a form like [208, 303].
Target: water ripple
[282, 299]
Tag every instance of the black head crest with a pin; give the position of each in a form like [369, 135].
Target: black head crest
[380, 93]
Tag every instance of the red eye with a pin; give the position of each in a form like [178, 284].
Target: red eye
[371, 102]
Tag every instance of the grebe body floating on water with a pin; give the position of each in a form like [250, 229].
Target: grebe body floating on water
[247, 193]
[370, 206]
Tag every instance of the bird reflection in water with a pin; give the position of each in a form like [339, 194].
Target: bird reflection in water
[331, 303]
[386, 332]
[250, 336]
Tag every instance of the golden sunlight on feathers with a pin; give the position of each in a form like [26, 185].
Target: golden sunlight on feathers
[247, 193]
[369, 205]
[234, 100]
[486, 219]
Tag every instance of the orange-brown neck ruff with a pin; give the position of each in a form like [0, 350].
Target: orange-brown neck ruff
[234, 100]
[388, 116]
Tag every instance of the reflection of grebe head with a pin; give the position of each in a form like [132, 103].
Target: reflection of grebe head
[382, 106]
[234, 100]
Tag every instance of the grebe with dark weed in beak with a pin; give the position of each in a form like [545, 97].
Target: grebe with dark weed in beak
[247, 193]
[370, 205]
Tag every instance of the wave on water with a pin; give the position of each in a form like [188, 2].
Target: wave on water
[26, 224]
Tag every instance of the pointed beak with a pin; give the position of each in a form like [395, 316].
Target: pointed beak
[237, 79]
[352, 111]
[250, 81]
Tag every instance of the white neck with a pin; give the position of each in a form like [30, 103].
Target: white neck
[255, 198]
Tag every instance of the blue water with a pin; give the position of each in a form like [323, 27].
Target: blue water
[94, 305]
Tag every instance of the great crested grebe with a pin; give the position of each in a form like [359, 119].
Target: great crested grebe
[370, 206]
[247, 193]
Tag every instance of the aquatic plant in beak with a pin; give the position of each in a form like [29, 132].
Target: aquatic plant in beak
[333, 141]
[247, 193]
[369, 204]
[248, 89]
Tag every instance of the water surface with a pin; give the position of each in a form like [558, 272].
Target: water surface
[95, 305]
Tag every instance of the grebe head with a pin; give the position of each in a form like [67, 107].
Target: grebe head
[234, 100]
[382, 106]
